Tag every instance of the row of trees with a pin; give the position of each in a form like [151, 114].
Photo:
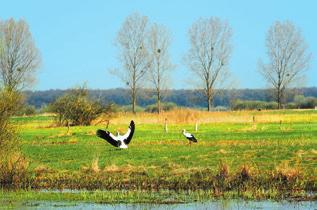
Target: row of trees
[144, 54]
[183, 98]
[144, 51]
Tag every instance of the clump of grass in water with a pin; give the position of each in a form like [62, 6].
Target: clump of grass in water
[288, 178]
[220, 183]
[245, 182]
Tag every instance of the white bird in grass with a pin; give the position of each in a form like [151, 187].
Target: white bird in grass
[118, 141]
[191, 138]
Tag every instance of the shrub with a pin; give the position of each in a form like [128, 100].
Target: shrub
[219, 108]
[300, 102]
[111, 108]
[76, 108]
[13, 165]
[303, 102]
[164, 106]
[128, 108]
[27, 110]
[44, 109]
[251, 105]
[9, 104]
[291, 106]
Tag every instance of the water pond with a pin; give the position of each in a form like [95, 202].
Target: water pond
[219, 204]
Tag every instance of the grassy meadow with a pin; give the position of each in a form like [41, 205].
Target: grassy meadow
[253, 154]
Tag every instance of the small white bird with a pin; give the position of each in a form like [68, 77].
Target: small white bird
[118, 141]
[191, 138]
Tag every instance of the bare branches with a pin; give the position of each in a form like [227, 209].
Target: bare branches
[158, 44]
[133, 53]
[143, 50]
[19, 58]
[288, 57]
[209, 54]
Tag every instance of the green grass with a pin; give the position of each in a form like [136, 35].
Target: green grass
[236, 144]
[105, 196]
[166, 158]
[112, 197]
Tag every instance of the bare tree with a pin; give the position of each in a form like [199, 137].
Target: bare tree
[134, 56]
[208, 56]
[19, 58]
[159, 41]
[288, 58]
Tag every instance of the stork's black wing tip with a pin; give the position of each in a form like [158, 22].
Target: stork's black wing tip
[103, 134]
[132, 124]
[106, 136]
[132, 128]
[100, 132]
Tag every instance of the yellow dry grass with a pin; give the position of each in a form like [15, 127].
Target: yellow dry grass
[222, 151]
[287, 171]
[95, 166]
[73, 140]
[41, 169]
[126, 169]
[184, 116]
[313, 151]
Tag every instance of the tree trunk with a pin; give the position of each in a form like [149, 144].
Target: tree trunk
[158, 102]
[279, 100]
[134, 90]
[209, 104]
[158, 88]
[209, 100]
[133, 100]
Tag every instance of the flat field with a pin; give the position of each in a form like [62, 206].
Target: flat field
[263, 153]
[275, 138]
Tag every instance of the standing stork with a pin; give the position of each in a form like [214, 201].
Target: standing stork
[191, 138]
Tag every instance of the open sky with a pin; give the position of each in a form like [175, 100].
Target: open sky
[76, 37]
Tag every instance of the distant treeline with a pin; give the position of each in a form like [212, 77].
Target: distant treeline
[184, 98]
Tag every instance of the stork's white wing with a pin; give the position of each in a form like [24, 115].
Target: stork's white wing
[188, 135]
[113, 136]
[126, 134]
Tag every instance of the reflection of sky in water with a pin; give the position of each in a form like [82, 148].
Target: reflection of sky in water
[229, 204]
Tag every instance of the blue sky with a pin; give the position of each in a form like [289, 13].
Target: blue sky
[76, 38]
